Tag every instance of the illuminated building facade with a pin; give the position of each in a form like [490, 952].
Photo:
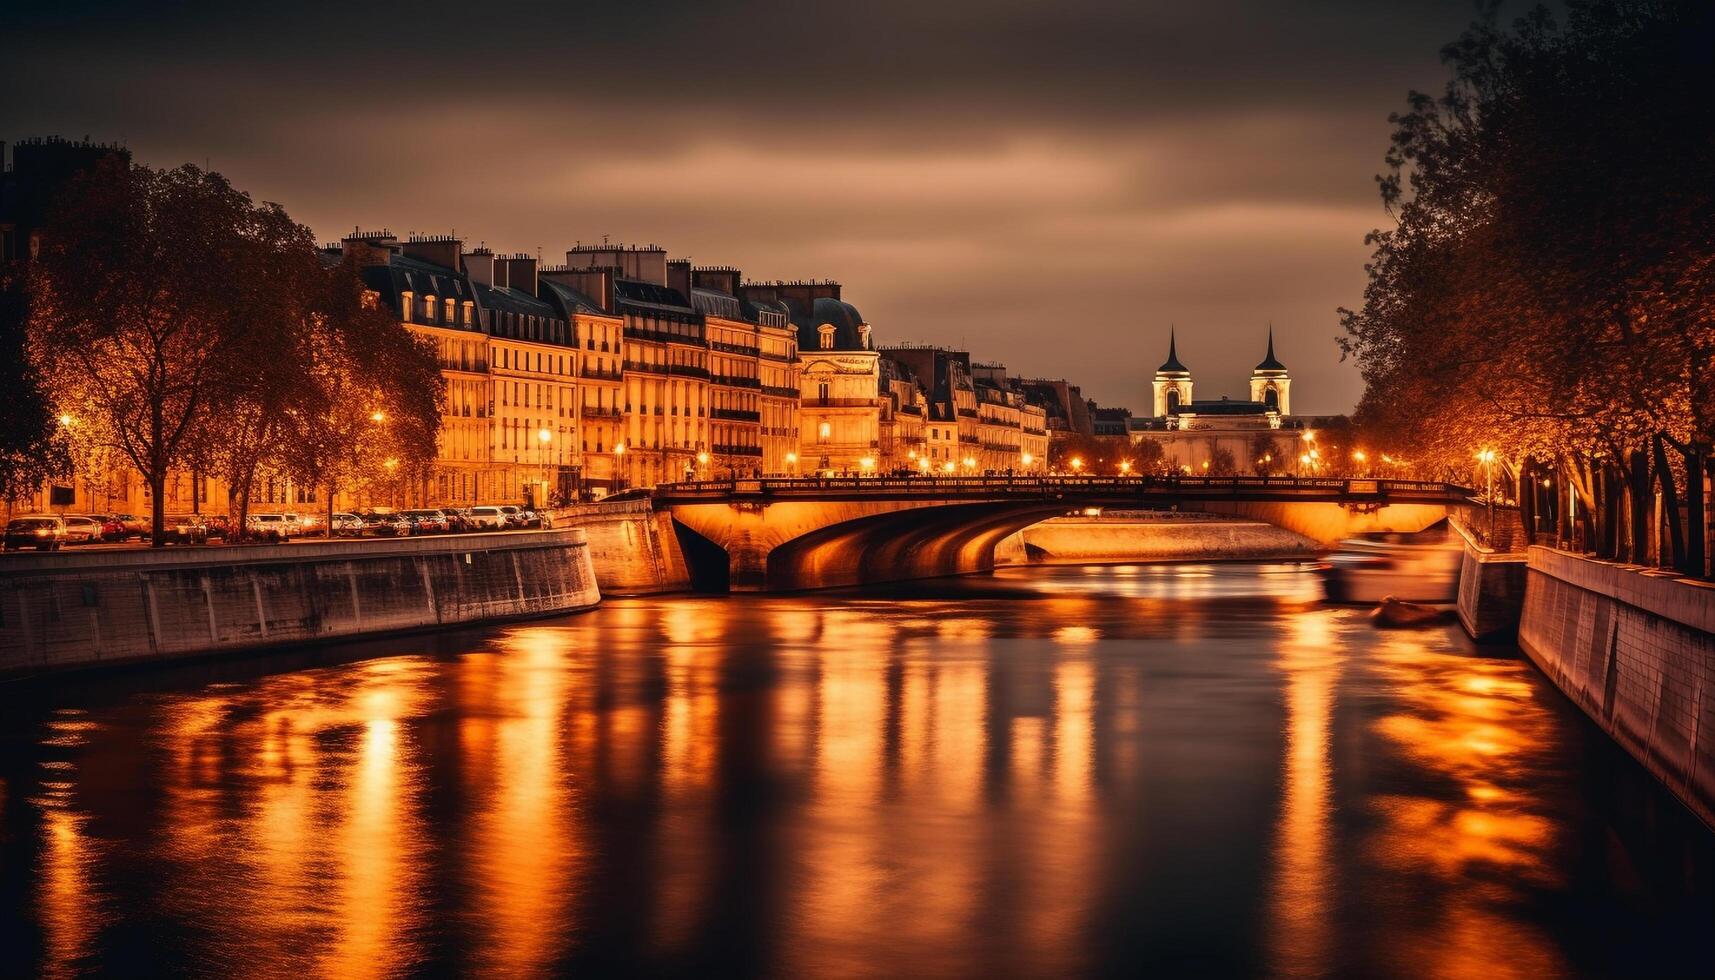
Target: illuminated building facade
[840, 404]
[1226, 435]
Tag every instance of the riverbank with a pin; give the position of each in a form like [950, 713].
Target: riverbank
[1635, 649]
[66, 611]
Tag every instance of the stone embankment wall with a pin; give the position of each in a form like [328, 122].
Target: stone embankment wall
[78, 610]
[632, 548]
[1636, 650]
[1491, 589]
[1159, 537]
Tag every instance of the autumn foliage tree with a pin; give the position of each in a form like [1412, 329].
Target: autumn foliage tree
[379, 388]
[183, 324]
[1547, 289]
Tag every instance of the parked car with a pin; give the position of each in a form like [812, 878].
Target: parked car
[184, 529]
[428, 521]
[386, 525]
[112, 528]
[135, 527]
[81, 529]
[487, 519]
[44, 532]
[347, 525]
[269, 527]
[457, 521]
[514, 515]
[217, 526]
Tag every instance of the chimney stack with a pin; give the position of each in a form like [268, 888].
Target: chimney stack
[519, 272]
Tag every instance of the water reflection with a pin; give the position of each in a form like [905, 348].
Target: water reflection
[1046, 772]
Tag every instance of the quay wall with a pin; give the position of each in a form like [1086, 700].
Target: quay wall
[1164, 537]
[1635, 649]
[632, 547]
[1491, 589]
[69, 610]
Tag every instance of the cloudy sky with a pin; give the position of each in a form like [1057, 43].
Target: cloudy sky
[1048, 183]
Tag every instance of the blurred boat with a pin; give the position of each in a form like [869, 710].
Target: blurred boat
[1399, 614]
[1406, 567]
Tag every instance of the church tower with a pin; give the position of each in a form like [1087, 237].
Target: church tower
[1172, 382]
[1270, 383]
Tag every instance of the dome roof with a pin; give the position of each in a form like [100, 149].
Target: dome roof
[844, 318]
[1269, 363]
[1172, 365]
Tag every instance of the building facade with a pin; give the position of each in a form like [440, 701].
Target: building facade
[1224, 436]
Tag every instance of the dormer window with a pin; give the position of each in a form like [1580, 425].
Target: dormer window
[405, 301]
[825, 333]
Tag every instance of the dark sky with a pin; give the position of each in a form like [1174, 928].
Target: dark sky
[1051, 184]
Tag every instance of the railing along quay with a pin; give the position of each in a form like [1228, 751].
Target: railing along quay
[1201, 486]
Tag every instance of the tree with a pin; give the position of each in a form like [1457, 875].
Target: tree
[32, 443]
[1546, 289]
[263, 392]
[1264, 456]
[378, 393]
[139, 295]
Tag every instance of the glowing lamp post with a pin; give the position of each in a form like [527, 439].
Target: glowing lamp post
[619, 464]
[1487, 458]
[1125, 467]
[1025, 459]
[792, 463]
[544, 437]
[867, 465]
[1077, 464]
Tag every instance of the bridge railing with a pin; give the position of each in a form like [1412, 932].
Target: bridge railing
[1043, 485]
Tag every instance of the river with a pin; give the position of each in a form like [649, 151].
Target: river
[1040, 772]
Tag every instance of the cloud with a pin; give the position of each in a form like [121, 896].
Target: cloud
[1052, 183]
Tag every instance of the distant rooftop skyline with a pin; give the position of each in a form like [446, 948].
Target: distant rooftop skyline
[1049, 185]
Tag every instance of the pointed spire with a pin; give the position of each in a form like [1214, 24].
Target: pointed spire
[1269, 363]
[1172, 365]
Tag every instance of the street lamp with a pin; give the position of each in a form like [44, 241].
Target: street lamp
[792, 463]
[1077, 464]
[1487, 457]
[544, 437]
[1025, 459]
[619, 463]
[378, 416]
[1125, 467]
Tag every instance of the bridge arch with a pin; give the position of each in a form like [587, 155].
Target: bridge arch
[817, 534]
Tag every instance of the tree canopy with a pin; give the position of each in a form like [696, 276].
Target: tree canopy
[1546, 287]
[178, 323]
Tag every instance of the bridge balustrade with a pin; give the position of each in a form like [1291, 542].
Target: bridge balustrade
[1038, 485]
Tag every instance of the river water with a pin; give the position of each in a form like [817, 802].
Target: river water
[1040, 772]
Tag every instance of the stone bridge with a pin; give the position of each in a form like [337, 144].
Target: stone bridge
[810, 533]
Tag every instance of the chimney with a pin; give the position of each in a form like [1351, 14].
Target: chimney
[597, 284]
[479, 266]
[441, 250]
[519, 271]
[369, 248]
[679, 276]
[721, 279]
